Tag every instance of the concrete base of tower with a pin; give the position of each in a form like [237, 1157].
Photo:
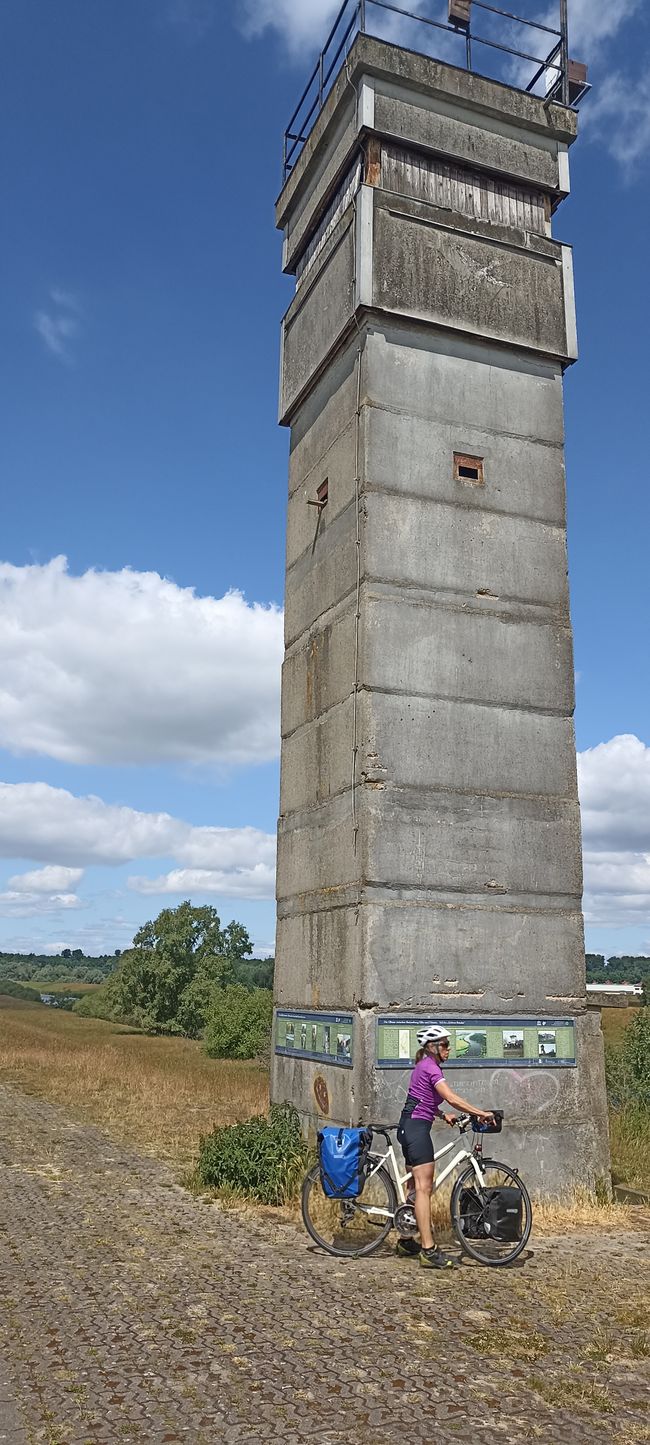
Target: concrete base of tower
[555, 1129]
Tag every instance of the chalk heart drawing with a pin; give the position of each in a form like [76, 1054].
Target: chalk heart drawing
[531, 1091]
[516, 1091]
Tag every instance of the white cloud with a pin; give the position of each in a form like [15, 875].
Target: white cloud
[614, 785]
[256, 881]
[46, 880]
[41, 822]
[127, 667]
[618, 115]
[21, 904]
[102, 936]
[302, 24]
[60, 325]
[592, 22]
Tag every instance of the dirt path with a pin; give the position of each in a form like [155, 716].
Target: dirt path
[131, 1312]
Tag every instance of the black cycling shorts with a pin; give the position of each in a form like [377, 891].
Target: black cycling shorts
[414, 1138]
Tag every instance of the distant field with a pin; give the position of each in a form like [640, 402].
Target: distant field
[159, 1094]
[615, 1022]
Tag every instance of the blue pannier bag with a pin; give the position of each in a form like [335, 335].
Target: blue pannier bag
[343, 1159]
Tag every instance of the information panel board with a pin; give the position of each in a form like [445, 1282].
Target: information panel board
[325, 1038]
[481, 1042]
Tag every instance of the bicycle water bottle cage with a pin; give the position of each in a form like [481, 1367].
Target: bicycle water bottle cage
[480, 1126]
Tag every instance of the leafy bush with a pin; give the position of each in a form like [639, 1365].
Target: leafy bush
[628, 1086]
[262, 1158]
[628, 1066]
[104, 1003]
[238, 1023]
[10, 989]
[255, 972]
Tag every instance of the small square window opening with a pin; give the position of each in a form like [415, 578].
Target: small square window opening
[468, 470]
[320, 500]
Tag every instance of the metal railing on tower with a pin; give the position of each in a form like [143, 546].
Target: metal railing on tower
[563, 80]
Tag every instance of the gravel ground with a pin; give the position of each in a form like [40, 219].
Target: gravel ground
[130, 1311]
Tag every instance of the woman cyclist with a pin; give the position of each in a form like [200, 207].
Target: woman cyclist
[427, 1090]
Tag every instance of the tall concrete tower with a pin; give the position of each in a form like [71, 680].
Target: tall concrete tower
[429, 862]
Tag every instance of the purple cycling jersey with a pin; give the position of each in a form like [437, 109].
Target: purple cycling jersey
[423, 1086]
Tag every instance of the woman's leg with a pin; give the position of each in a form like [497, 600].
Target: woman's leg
[423, 1180]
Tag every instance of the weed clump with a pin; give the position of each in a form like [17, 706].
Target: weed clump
[261, 1159]
[628, 1088]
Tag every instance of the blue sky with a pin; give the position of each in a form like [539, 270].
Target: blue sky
[143, 293]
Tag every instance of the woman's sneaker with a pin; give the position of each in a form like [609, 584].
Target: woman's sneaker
[435, 1259]
[407, 1248]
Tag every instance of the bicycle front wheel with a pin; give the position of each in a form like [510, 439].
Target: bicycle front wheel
[349, 1226]
[491, 1234]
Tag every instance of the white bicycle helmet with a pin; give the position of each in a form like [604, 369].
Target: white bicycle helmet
[432, 1034]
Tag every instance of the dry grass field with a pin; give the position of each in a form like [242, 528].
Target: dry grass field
[615, 1022]
[159, 1094]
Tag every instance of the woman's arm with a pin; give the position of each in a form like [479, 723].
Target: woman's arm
[444, 1092]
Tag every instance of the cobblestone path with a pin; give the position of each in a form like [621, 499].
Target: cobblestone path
[131, 1312]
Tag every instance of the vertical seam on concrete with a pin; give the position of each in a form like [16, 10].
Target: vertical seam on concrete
[365, 107]
[357, 610]
[281, 377]
[569, 303]
[564, 178]
[365, 202]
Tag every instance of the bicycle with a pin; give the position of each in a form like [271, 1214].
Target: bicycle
[490, 1226]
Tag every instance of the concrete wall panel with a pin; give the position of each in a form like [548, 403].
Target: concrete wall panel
[323, 948]
[472, 843]
[324, 416]
[436, 651]
[426, 544]
[463, 383]
[317, 760]
[316, 851]
[454, 131]
[307, 528]
[412, 741]
[466, 282]
[316, 583]
[319, 671]
[407, 453]
[316, 318]
[484, 957]
[424, 743]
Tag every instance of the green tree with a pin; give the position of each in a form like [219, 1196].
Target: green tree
[239, 1022]
[175, 961]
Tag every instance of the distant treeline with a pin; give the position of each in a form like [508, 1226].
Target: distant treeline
[70, 966]
[630, 968]
[74, 966]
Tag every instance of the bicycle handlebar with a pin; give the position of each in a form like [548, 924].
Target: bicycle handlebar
[463, 1122]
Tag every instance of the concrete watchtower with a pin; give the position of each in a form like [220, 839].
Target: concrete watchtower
[429, 861]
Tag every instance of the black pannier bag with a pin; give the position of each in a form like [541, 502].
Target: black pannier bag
[503, 1213]
[471, 1215]
[500, 1218]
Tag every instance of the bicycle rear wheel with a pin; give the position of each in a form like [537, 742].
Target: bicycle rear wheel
[475, 1221]
[349, 1226]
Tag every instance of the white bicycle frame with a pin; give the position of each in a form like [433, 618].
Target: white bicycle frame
[400, 1179]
